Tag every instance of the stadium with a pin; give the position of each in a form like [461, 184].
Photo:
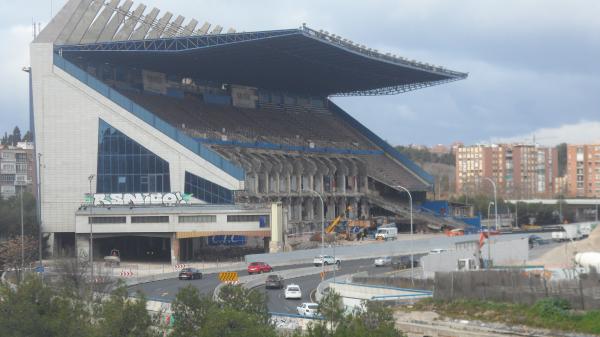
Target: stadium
[168, 138]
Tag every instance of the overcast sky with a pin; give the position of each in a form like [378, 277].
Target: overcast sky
[534, 66]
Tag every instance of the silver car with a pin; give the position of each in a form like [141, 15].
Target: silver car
[383, 261]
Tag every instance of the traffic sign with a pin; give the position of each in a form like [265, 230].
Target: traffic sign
[228, 276]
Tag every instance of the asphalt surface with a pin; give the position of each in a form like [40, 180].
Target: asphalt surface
[166, 290]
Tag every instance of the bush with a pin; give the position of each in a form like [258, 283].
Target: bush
[552, 308]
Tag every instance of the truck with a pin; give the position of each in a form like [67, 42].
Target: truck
[567, 232]
[386, 233]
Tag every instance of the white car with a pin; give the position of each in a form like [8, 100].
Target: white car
[292, 291]
[308, 309]
[383, 261]
[326, 259]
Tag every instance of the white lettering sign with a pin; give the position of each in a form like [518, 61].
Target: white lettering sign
[109, 199]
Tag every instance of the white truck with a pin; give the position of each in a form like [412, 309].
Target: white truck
[326, 260]
[568, 232]
[386, 233]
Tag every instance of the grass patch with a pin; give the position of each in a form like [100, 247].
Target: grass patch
[551, 313]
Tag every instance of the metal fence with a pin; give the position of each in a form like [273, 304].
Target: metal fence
[517, 286]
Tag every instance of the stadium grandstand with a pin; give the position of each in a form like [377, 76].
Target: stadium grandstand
[126, 101]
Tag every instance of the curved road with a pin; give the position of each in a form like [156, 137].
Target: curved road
[166, 290]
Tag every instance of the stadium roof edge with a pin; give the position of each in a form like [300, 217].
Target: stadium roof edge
[337, 68]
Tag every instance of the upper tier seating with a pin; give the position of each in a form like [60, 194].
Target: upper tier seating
[269, 123]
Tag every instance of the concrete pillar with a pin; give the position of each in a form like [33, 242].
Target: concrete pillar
[82, 246]
[276, 243]
[267, 183]
[330, 209]
[174, 249]
[342, 205]
[52, 245]
[354, 206]
[256, 190]
[365, 184]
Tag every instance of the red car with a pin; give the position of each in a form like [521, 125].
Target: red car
[258, 268]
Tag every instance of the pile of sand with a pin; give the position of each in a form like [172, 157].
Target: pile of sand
[563, 256]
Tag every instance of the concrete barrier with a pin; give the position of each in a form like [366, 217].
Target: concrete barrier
[253, 281]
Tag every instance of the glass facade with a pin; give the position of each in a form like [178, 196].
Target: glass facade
[124, 166]
[207, 191]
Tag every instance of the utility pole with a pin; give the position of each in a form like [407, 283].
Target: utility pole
[22, 238]
[91, 221]
[412, 257]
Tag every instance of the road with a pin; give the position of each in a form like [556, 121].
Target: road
[166, 290]
[277, 303]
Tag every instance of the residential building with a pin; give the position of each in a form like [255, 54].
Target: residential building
[17, 170]
[519, 170]
[583, 170]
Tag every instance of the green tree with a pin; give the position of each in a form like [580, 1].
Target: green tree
[238, 312]
[28, 137]
[124, 317]
[10, 216]
[373, 320]
[228, 322]
[245, 300]
[36, 310]
[190, 311]
[16, 135]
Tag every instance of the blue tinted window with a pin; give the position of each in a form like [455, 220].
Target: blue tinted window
[205, 190]
[124, 166]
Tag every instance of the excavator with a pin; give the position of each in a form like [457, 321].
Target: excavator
[344, 227]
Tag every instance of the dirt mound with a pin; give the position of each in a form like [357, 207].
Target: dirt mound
[563, 255]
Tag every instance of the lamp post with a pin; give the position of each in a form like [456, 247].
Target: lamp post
[22, 237]
[496, 216]
[322, 226]
[91, 221]
[412, 257]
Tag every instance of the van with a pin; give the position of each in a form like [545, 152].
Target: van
[386, 233]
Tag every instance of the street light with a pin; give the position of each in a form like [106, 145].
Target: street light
[91, 221]
[412, 257]
[322, 226]
[496, 213]
[488, 213]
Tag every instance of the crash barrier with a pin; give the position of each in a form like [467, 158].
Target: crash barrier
[228, 276]
[253, 281]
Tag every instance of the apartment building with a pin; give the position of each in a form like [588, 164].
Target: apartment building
[583, 170]
[17, 169]
[519, 170]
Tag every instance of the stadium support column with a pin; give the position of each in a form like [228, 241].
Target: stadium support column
[330, 209]
[174, 249]
[276, 243]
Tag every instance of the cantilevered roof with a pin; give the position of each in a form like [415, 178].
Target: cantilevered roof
[299, 60]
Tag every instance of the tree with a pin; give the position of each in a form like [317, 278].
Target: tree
[123, 316]
[373, 319]
[28, 137]
[246, 300]
[190, 311]
[16, 136]
[10, 253]
[10, 216]
[228, 322]
[33, 309]
[4, 140]
[238, 312]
